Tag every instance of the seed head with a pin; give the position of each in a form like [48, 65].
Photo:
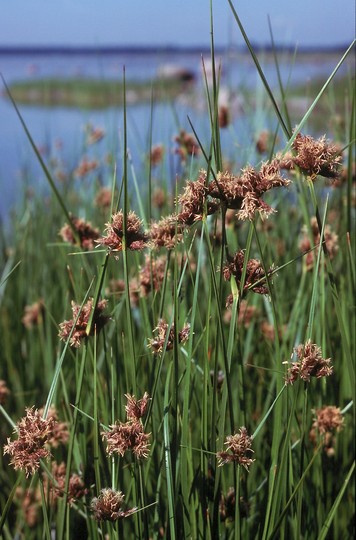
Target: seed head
[107, 507]
[309, 363]
[79, 333]
[238, 449]
[135, 237]
[317, 156]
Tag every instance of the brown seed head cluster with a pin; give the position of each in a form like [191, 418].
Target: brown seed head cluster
[157, 343]
[152, 274]
[135, 237]
[255, 279]
[244, 192]
[309, 363]
[327, 422]
[193, 200]
[34, 434]
[60, 433]
[108, 506]
[94, 134]
[187, 145]
[317, 156]
[33, 314]
[4, 392]
[103, 198]
[30, 500]
[130, 436]
[166, 233]
[80, 323]
[86, 233]
[330, 239]
[85, 167]
[56, 487]
[238, 449]
[156, 154]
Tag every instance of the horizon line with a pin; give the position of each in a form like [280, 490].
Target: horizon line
[149, 49]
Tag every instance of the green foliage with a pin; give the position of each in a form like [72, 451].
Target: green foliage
[228, 373]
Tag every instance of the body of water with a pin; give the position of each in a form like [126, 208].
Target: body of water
[61, 130]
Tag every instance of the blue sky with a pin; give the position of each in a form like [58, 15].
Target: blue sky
[176, 22]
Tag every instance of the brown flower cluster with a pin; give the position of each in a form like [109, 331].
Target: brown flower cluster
[152, 275]
[156, 154]
[330, 239]
[94, 134]
[56, 487]
[309, 363]
[103, 198]
[135, 237]
[317, 156]
[187, 145]
[30, 500]
[227, 506]
[4, 392]
[238, 449]
[193, 200]
[33, 314]
[108, 506]
[327, 422]
[157, 343]
[86, 233]
[34, 434]
[129, 436]
[244, 192]
[165, 233]
[80, 323]
[263, 141]
[60, 433]
[85, 167]
[255, 279]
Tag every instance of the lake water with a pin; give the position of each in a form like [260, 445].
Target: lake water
[61, 129]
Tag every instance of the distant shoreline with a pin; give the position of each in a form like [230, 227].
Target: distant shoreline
[164, 49]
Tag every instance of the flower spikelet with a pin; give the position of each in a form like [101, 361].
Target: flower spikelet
[135, 237]
[330, 239]
[80, 323]
[34, 433]
[107, 507]
[130, 436]
[309, 363]
[157, 343]
[238, 449]
[166, 233]
[152, 275]
[187, 145]
[193, 199]
[4, 392]
[317, 156]
[255, 278]
[60, 433]
[327, 422]
[56, 488]
[86, 233]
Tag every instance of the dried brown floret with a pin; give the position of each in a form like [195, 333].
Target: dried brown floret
[135, 238]
[94, 134]
[330, 239]
[85, 167]
[166, 233]
[60, 433]
[187, 145]
[80, 325]
[33, 314]
[238, 449]
[156, 154]
[244, 192]
[33, 436]
[157, 343]
[193, 199]
[309, 363]
[255, 279]
[159, 198]
[56, 486]
[152, 274]
[224, 116]
[108, 506]
[317, 156]
[136, 408]
[30, 500]
[85, 232]
[128, 436]
[103, 198]
[327, 422]
[4, 392]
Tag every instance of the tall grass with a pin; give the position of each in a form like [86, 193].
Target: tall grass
[227, 374]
